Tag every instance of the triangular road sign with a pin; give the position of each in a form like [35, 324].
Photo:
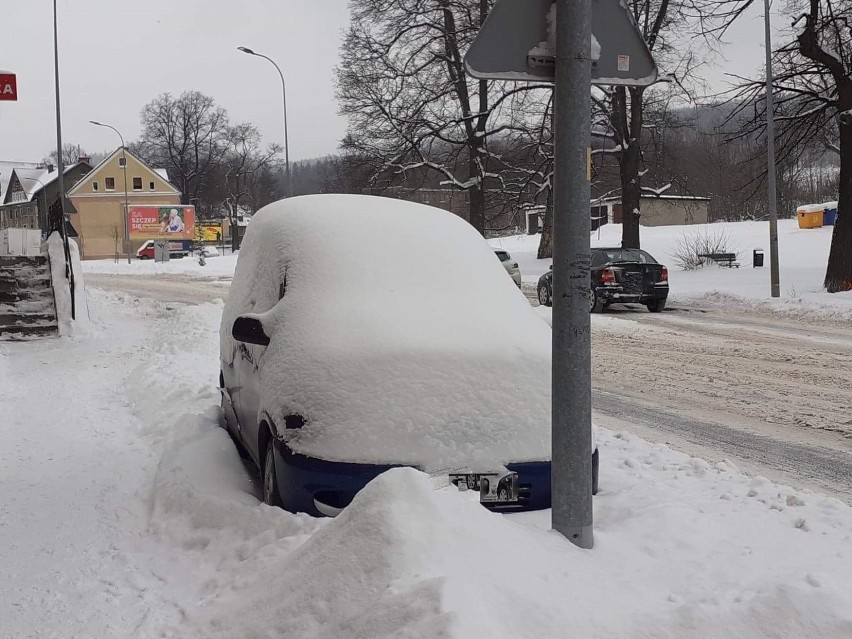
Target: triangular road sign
[516, 42]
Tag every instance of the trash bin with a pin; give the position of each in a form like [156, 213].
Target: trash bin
[829, 216]
[757, 258]
[810, 216]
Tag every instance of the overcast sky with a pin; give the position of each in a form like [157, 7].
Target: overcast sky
[115, 56]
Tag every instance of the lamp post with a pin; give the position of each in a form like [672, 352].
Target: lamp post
[775, 284]
[284, 96]
[124, 168]
[63, 233]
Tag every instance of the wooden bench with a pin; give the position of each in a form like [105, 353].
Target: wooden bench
[728, 260]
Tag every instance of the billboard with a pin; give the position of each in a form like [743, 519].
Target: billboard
[207, 232]
[173, 222]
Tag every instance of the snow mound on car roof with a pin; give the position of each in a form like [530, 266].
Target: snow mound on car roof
[400, 336]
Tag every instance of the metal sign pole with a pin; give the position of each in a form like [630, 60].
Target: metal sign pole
[571, 475]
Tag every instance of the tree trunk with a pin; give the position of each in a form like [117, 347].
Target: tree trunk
[628, 120]
[631, 190]
[838, 275]
[476, 207]
[545, 245]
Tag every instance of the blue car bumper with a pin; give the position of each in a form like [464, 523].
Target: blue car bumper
[323, 488]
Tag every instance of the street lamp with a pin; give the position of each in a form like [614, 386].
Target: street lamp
[284, 95]
[124, 167]
[60, 165]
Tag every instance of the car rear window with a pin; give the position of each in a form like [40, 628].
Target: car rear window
[503, 255]
[605, 256]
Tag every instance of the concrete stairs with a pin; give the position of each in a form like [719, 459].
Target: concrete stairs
[27, 308]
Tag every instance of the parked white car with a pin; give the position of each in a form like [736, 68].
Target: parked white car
[510, 265]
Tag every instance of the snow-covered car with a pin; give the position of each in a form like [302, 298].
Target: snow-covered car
[510, 265]
[363, 333]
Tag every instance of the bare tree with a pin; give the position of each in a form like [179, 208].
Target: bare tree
[411, 108]
[70, 154]
[665, 26]
[813, 89]
[187, 136]
[243, 164]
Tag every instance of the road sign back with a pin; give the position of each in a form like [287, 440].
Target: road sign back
[8, 86]
[516, 42]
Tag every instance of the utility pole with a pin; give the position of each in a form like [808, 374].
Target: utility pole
[772, 202]
[571, 474]
[63, 232]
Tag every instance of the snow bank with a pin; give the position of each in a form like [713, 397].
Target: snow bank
[219, 267]
[61, 288]
[399, 338]
[683, 548]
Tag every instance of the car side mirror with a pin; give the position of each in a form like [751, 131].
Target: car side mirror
[249, 330]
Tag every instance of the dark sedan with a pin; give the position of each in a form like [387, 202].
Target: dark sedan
[619, 276]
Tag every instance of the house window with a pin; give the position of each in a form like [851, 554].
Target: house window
[109, 184]
[151, 186]
[137, 184]
[95, 186]
[122, 162]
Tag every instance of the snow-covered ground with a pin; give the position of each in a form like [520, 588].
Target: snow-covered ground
[126, 512]
[803, 254]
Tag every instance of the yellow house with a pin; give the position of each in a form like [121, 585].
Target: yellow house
[99, 202]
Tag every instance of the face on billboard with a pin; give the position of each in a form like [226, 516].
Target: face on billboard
[161, 222]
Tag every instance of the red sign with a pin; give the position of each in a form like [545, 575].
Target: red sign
[8, 86]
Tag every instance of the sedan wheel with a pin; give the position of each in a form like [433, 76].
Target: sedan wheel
[544, 295]
[657, 306]
[270, 480]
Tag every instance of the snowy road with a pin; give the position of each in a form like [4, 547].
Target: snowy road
[770, 393]
[163, 288]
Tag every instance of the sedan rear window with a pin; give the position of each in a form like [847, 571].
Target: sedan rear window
[503, 255]
[606, 256]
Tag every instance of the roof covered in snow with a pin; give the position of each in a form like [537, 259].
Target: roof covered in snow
[33, 179]
[6, 168]
[399, 336]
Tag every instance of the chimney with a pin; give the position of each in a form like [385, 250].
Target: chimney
[50, 168]
[84, 158]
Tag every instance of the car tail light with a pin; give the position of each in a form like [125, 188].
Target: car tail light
[607, 276]
[664, 275]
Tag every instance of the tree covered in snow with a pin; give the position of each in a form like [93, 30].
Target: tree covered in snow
[813, 94]
[630, 116]
[187, 136]
[412, 109]
[219, 167]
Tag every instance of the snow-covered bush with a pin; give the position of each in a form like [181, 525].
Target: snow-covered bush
[691, 247]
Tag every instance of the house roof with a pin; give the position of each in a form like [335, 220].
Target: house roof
[163, 173]
[6, 168]
[33, 180]
[651, 196]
